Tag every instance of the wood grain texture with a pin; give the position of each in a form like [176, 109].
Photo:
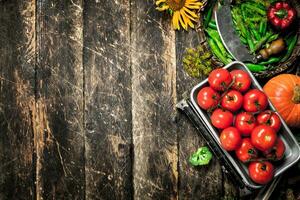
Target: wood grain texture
[195, 183]
[108, 100]
[17, 64]
[59, 107]
[153, 103]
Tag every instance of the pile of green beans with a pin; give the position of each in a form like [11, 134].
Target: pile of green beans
[250, 21]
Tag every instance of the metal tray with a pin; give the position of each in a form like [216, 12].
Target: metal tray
[292, 153]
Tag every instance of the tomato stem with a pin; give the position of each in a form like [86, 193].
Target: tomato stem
[296, 96]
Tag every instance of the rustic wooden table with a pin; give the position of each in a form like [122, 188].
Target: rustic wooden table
[87, 96]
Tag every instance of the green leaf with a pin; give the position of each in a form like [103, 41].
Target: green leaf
[201, 157]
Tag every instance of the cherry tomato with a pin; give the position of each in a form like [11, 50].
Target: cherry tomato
[269, 118]
[242, 80]
[245, 123]
[207, 98]
[255, 100]
[261, 172]
[230, 138]
[277, 152]
[221, 118]
[232, 100]
[263, 137]
[246, 152]
[219, 79]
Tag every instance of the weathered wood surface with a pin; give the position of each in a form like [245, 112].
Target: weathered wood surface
[87, 104]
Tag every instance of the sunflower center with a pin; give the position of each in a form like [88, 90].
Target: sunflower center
[175, 4]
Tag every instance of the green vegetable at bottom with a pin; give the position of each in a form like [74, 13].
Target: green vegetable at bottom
[201, 157]
[255, 67]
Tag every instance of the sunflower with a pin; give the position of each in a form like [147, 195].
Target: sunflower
[183, 11]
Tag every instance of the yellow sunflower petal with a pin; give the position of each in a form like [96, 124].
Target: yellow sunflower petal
[175, 20]
[195, 4]
[159, 2]
[187, 19]
[190, 17]
[164, 7]
[192, 7]
[182, 22]
[190, 12]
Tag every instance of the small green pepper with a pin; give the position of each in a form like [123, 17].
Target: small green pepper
[271, 61]
[201, 157]
[255, 67]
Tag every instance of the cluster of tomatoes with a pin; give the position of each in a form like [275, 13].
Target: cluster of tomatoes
[247, 128]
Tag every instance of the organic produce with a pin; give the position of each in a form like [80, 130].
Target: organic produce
[281, 15]
[277, 152]
[197, 61]
[284, 93]
[219, 79]
[221, 118]
[232, 100]
[230, 139]
[261, 172]
[201, 157]
[207, 98]
[241, 79]
[255, 100]
[253, 135]
[263, 137]
[246, 152]
[269, 118]
[245, 122]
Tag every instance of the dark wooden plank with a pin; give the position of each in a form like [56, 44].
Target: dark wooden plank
[153, 103]
[17, 69]
[195, 183]
[60, 139]
[108, 100]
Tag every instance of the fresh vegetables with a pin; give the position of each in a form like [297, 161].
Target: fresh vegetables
[207, 98]
[232, 101]
[246, 152]
[281, 15]
[244, 125]
[221, 118]
[261, 172]
[197, 62]
[201, 157]
[263, 137]
[230, 139]
[284, 93]
[255, 100]
[219, 79]
[269, 118]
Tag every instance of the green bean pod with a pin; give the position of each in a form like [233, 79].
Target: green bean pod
[290, 48]
[216, 51]
[215, 36]
[261, 42]
[271, 61]
[255, 67]
[212, 25]
[272, 38]
[208, 16]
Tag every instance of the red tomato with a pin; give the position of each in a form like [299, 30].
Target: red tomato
[207, 98]
[269, 118]
[242, 80]
[221, 118]
[246, 152]
[255, 100]
[219, 79]
[245, 123]
[232, 100]
[261, 172]
[230, 138]
[263, 137]
[277, 152]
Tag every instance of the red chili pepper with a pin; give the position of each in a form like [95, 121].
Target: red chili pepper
[281, 15]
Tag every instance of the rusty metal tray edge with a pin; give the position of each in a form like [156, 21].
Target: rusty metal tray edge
[234, 162]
